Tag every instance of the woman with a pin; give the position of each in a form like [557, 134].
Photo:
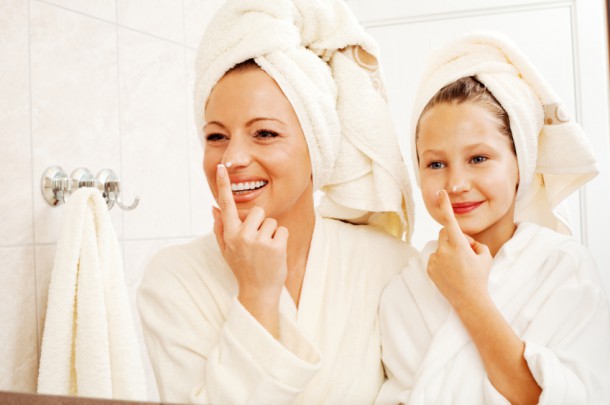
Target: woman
[279, 305]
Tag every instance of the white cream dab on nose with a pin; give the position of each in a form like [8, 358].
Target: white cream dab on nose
[228, 164]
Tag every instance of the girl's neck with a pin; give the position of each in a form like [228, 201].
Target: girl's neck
[496, 236]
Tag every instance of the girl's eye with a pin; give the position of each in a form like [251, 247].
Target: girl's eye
[436, 165]
[265, 134]
[478, 159]
[214, 137]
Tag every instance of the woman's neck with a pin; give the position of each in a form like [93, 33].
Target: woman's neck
[300, 228]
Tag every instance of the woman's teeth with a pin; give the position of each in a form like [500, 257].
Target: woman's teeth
[248, 185]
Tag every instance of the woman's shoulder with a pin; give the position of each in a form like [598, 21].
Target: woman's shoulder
[190, 262]
[363, 235]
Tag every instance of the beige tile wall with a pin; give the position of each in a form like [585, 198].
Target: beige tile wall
[99, 84]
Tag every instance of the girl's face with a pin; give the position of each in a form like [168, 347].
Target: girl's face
[461, 150]
[251, 124]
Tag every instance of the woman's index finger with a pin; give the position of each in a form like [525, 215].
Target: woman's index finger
[228, 210]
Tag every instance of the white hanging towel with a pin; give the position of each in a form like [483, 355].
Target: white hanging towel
[89, 345]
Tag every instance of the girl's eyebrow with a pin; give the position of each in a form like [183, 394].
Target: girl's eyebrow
[466, 148]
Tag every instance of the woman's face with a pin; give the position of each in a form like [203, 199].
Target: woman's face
[251, 125]
[462, 150]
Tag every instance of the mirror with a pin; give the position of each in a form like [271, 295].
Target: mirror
[108, 84]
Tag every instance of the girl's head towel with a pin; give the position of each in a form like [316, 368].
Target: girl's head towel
[326, 65]
[554, 156]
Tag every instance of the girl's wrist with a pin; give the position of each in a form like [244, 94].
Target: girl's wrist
[472, 302]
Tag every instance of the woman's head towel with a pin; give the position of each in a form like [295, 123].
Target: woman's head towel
[325, 63]
[554, 156]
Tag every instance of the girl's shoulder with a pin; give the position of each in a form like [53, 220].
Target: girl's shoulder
[529, 234]
[562, 252]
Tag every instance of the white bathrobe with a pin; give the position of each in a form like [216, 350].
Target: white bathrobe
[206, 348]
[547, 287]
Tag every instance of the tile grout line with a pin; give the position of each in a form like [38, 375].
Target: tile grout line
[34, 262]
[123, 240]
[582, 192]
[116, 22]
[186, 112]
[119, 119]
[475, 12]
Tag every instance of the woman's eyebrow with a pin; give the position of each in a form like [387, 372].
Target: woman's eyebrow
[214, 123]
[253, 120]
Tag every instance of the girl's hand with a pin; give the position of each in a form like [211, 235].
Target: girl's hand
[255, 250]
[460, 266]
[460, 269]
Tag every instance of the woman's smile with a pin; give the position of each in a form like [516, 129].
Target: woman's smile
[259, 139]
[246, 190]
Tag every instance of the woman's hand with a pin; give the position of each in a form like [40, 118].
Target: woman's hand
[460, 266]
[255, 250]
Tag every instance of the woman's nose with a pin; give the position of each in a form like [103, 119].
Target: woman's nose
[237, 154]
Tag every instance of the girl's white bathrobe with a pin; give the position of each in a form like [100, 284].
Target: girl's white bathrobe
[547, 287]
[205, 347]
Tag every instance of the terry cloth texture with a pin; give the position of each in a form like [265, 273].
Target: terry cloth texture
[89, 345]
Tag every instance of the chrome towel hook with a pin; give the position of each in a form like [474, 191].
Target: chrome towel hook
[57, 186]
[112, 190]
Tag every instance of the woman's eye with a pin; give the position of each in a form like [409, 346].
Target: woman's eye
[265, 134]
[214, 137]
[436, 165]
[478, 159]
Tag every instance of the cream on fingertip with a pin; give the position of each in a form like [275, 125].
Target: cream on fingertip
[221, 173]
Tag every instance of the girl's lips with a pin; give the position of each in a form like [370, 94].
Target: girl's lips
[464, 208]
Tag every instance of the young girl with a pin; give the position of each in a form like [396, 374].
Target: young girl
[502, 307]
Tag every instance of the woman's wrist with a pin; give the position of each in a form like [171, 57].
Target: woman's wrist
[265, 309]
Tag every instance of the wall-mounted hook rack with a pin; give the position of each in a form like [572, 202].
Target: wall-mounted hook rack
[57, 186]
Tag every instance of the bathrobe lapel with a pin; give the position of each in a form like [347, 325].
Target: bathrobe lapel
[310, 304]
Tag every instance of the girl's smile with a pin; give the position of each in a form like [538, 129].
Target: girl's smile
[465, 207]
[462, 150]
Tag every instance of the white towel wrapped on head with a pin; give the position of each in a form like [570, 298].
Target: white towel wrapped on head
[325, 63]
[89, 345]
[553, 154]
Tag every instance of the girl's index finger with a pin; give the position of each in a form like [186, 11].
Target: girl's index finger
[228, 210]
[448, 220]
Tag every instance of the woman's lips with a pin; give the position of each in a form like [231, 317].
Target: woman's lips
[244, 191]
[465, 208]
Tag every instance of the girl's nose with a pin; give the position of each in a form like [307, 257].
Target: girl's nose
[457, 182]
[458, 188]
